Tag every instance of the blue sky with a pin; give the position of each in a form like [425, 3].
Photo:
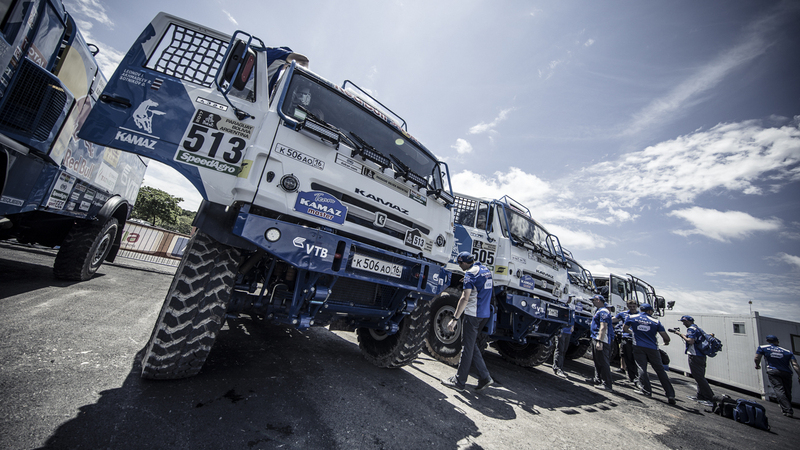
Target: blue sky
[660, 139]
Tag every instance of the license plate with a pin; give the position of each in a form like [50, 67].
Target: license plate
[552, 312]
[369, 264]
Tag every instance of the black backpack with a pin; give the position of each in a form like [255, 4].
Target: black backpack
[751, 413]
[708, 345]
[724, 406]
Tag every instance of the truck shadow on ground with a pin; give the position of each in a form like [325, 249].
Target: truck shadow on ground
[17, 277]
[268, 387]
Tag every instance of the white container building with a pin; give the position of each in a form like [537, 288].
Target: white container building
[740, 336]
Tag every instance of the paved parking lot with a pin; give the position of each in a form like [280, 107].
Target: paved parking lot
[69, 378]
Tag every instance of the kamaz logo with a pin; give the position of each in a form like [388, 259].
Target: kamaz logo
[135, 140]
[381, 201]
[300, 242]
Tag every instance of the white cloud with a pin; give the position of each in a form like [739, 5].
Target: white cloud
[723, 226]
[740, 157]
[526, 188]
[753, 43]
[92, 9]
[486, 127]
[230, 17]
[792, 260]
[588, 43]
[462, 146]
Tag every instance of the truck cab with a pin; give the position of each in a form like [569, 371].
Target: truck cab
[529, 275]
[581, 290]
[319, 207]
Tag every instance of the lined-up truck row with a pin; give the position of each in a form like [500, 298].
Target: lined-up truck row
[319, 207]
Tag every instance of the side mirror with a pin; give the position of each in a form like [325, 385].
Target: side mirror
[241, 61]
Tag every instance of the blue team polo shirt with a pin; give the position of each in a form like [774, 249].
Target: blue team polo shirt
[623, 317]
[600, 316]
[479, 279]
[645, 330]
[778, 358]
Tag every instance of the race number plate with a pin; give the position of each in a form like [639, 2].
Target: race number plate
[552, 312]
[369, 264]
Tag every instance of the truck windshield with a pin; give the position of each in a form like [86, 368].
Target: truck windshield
[353, 116]
[525, 229]
[577, 274]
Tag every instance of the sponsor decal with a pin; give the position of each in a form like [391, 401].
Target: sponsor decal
[106, 177]
[316, 250]
[217, 122]
[527, 282]
[80, 166]
[501, 270]
[143, 116]
[11, 201]
[61, 191]
[417, 197]
[415, 239]
[85, 206]
[245, 170]
[518, 259]
[300, 156]
[349, 163]
[207, 102]
[208, 143]
[381, 201]
[372, 174]
[111, 156]
[208, 163]
[322, 205]
[139, 141]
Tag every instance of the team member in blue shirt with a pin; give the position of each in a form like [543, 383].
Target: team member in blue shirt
[627, 363]
[474, 305]
[697, 360]
[778, 371]
[602, 335]
[644, 330]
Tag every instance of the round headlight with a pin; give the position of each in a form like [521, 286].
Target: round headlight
[289, 183]
[272, 234]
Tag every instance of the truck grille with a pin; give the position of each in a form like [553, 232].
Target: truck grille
[361, 293]
[34, 105]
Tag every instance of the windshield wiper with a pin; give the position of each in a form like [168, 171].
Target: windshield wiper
[369, 152]
[319, 128]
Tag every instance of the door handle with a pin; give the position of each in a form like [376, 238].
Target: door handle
[116, 100]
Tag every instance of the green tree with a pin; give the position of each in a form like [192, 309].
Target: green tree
[156, 207]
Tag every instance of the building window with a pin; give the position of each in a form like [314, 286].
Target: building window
[795, 344]
[738, 328]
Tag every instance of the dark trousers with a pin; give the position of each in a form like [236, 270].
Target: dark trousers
[626, 352]
[782, 385]
[643, 356]
[470, 357]
[697, 365]
[602, 363]
[562, 342]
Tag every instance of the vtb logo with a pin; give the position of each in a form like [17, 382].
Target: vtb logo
[316, 250]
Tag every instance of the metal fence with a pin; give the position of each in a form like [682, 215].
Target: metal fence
[151, 244]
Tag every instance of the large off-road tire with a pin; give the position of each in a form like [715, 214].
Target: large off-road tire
[84, 249]
[527, 355]
[575, 351]
[193, 311]
[399, 349]
[441, 343]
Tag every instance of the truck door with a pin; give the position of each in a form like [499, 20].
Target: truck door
[166, 101]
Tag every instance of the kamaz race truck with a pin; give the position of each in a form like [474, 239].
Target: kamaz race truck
[581, 289]
[56, 189]
[529, 276]
[319, 208]
[644, 292]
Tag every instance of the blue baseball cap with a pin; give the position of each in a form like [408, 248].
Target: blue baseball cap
[465, 257]
[771, 337]
[645, 307]
[689, 318]
[598, 297]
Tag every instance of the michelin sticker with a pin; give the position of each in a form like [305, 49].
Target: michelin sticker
[322, 205]
[215, 142]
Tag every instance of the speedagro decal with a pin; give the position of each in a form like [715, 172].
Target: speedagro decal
[322, 205]
[208, 143]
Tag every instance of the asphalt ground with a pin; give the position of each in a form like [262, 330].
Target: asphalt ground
[69, 378]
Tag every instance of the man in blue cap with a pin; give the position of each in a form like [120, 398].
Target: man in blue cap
[602, 335]
[697, 360]
[644, 330]
[476, 297]
[778, 371]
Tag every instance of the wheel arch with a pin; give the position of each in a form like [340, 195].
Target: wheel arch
[120, 209]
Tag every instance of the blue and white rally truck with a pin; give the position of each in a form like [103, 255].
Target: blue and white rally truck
[319, 208]
[55, 189]
[529, 275]
[581, 289]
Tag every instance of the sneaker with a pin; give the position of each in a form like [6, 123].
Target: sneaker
[452, 384]
[706, 403]
[671, 401]
[484, 384]
[643, 392]
[560, 374]
[603, 387]
[591, 381]
[692, 398]
[789, 415]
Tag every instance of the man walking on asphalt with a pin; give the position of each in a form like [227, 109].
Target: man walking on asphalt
[601, 345]
[778, 371]
[474, 304]
[627, 363]
[697, 361]
[562, 342]
[643, 329]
